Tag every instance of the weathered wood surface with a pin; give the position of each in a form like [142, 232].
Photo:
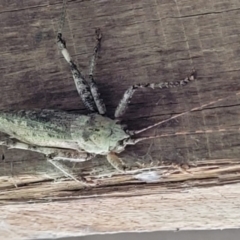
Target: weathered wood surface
[215, 208]
[144, 41]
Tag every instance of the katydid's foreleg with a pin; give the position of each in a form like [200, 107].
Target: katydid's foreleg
[123, 104]
[93, 86]
[116, 162]
[81, 84]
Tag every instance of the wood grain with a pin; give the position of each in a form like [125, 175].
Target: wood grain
[143, 41]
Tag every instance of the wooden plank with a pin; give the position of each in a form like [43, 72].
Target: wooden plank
[143, 41]
[146, 210]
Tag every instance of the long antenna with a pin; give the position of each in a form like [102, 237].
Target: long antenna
[181, 114]
[136, 140]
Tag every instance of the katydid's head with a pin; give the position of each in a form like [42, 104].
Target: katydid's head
[101, 135]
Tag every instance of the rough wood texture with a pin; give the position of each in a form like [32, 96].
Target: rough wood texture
[144, 41]
[193, 209]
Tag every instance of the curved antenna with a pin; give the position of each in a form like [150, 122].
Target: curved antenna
[181, 114]
[136, 140]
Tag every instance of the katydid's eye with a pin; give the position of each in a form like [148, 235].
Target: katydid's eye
[121, 142]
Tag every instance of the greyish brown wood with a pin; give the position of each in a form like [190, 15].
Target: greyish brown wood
[143, 41]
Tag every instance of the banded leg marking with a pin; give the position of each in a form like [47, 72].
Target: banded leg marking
[123, 104]
[81, 84]
[93, 86]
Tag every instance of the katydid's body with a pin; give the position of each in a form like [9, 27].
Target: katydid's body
[92, 133]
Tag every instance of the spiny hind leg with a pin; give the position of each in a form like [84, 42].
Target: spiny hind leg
[53, 156]
[49, 152]
[93, 86]
[81, 84]
[123, 104]
[12, 143]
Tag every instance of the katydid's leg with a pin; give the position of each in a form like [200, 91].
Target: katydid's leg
[49, 152]
[93, 86]
[82, 86]
[116, 162]
[122, 106]
[66, 172]
[53, 156]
